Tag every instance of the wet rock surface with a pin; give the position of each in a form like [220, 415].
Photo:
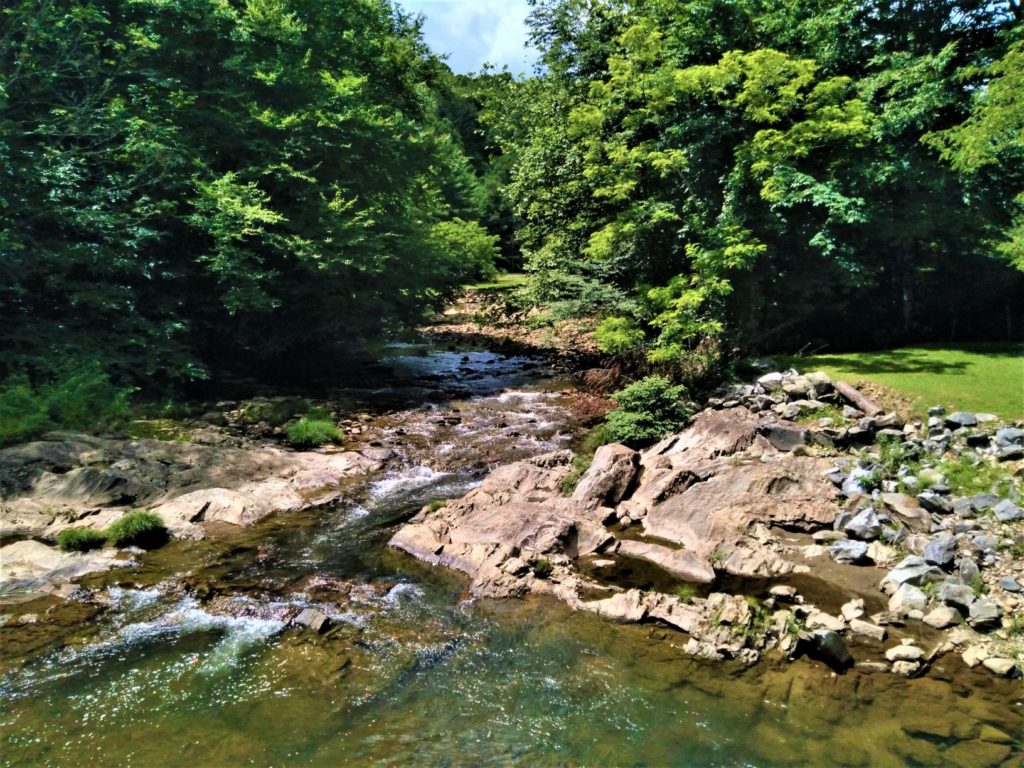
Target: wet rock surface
[310, 637]
[730, 497]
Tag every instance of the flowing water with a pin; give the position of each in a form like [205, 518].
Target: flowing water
[185, 660]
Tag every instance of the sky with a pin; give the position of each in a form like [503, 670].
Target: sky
[473, 32]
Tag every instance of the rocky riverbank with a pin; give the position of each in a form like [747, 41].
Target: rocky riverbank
[790, 517]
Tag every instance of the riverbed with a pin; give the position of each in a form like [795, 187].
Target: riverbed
[183, 659]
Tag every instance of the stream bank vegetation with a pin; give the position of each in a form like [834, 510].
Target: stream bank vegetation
[134, 529]
[684, 183]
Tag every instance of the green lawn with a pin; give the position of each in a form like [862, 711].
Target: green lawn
[985, 378]
[508, 280]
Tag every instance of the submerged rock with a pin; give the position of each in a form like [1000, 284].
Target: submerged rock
[828, 646]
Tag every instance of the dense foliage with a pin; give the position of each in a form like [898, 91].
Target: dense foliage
[202, 187]
[647, 410]
[771, 174]
[192, 186]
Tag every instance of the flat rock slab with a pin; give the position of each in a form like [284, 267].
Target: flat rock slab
[30, 566]
[680, 563]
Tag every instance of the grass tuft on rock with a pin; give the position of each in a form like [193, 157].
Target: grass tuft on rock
[310, 433]
[138, 529]
[80, 539]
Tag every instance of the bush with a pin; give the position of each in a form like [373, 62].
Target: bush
[307, 432]
[618, 335]
[542, 568]
[648, 410]
[22, 411]
[84, 399]
[470, 247]
[138, 529]
[80, 539]
[87, 399]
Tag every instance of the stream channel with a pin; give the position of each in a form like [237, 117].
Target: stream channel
[183, 660]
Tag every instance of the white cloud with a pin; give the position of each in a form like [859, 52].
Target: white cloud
[475, 32]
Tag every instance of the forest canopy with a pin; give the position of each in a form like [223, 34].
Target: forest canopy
[196, 187]
[709, 175]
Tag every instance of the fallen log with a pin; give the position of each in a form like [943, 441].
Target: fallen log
[855, 398]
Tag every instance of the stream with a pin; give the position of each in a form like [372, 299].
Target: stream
[184, 659]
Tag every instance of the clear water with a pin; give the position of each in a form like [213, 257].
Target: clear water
[415, 674]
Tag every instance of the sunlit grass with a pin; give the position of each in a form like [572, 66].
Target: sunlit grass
[501, 282]
[986, 378]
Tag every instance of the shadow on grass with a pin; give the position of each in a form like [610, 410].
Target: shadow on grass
[928, 360]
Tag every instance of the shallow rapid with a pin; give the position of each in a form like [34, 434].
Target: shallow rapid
[184, 659]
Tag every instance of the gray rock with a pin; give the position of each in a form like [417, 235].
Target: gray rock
[314, 619]
[908, 598]
[957, 595]
[610, 475]
[1006, 511]
[933, 502]
[848, 551]
[905, 668]
[867, 629]
[1010, 584]
[1000, 666]
[941, 617]
[984, 542]
[1010, 453]
[784, 437]
[913, 570]
[937, 410]
[963, 508]
[1009, 436]
[941, 551]
[783, 592]
[967, 570]
[865, 525]
[827, 646]
[859, 481]
[961, 419]
[836, 477]
[984, 614]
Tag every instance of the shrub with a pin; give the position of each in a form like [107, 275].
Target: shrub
[87, 399]
[648, 409]
[138, 529]
[307, 432]
[472, 250]
[84, 399]
[685, 592]
[22, 411]
[618, 335]
[80, 539]
[542, 568]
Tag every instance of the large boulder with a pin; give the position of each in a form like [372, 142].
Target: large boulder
[609, 476]
[719, 508]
